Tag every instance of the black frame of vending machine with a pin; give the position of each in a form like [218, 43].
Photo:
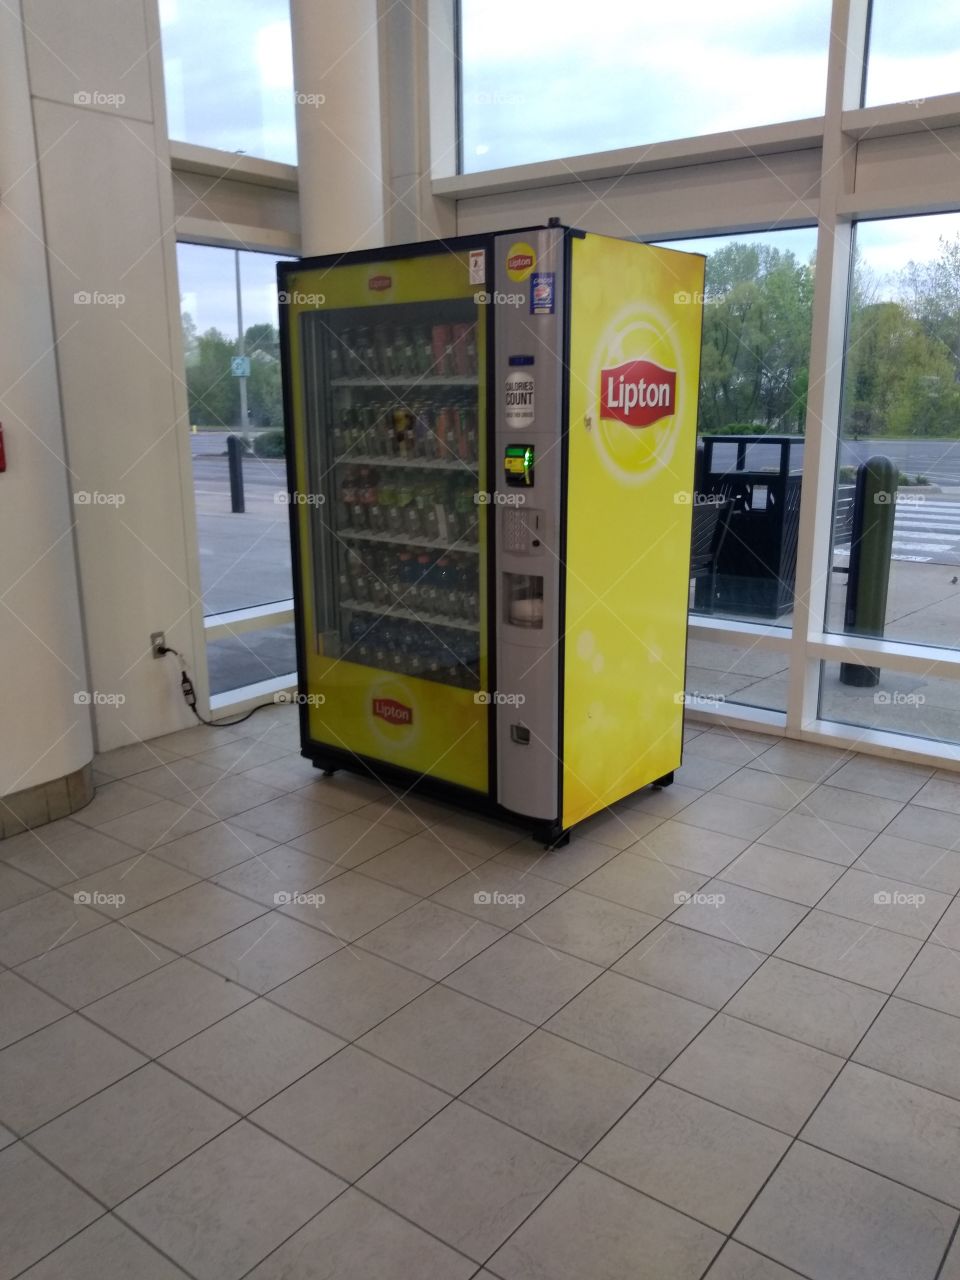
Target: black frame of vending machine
[325, 757]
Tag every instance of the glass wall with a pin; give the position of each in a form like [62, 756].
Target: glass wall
[914, 51]
[540, 81]
[228, 70]
[229, 314]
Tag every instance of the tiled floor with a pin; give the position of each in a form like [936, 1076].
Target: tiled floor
[256, 1022]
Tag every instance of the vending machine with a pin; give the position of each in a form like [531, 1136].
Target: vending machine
[490, 453]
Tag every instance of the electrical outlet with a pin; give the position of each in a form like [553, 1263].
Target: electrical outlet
[158, 642]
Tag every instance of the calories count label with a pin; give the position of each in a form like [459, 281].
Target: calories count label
[519, 399]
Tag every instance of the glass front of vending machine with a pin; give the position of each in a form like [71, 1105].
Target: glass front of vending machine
[385, 363]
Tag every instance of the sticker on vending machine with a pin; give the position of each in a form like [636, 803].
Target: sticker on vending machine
[519, 399]
[542, 290]
[478, 266]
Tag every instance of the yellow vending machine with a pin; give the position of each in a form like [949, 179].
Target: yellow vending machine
[490, 453]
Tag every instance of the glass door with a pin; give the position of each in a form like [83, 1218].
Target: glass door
[393, 540]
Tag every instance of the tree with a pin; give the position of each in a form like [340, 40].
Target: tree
[212, 390]
[756, 339]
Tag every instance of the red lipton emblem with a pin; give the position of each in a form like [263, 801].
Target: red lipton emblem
[638, 393]
[379, 283]
[519, 261]
[392, 711]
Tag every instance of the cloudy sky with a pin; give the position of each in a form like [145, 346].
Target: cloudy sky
[539, 82]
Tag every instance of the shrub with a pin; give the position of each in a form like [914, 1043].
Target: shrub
[269, 444]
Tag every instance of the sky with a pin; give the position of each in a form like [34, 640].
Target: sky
[208, 287]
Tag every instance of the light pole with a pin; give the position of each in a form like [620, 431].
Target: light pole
[240, 344]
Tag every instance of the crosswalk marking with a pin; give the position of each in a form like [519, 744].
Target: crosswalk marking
[924, 530]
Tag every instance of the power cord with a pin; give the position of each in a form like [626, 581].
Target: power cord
[190, 694]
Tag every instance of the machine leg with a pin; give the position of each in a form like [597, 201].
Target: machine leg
[552, 835]
[328, 769]
[665, 781]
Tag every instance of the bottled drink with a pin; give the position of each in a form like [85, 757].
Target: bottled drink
[461, 358]
[440, 343]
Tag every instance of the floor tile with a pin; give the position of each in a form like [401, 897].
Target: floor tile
[933, 980]
[122, 1138]
[243, 754]
[875, 777]
[473, 835]
[892, 1127]
[785, 875]
[357, 1239]
[471, 1204]
[352, 905]
[853, 808]
[127, 886]
[631, 1022]
[286, 818]
[759, 786]
[157, 824]
[731, 816]
[420, 865]
[701, 773]
[729, 745]
[183, 781]
[802, 760]
[233, 794]
[498, 895]
[24, 1009]
[591, 928]
[558, 1092]
[947, 930]
[567, 865]
[167, 1006]
[349, 1112]
[849, 949]
[642, 884]
[41, 924]
[691, 964]
[349, 992]
[751, 919]
[39, 1209]
[817, 1008]
[736, 1262]
[57, 1067]
[523, 978]
[349, 841]
[755, 1072]
[251, 1055]
[106, 1250]
[113, 801]
[593, 1226]
[916, 1044]
[664, 802]
[96, 964]
[122, 762]
[618, 827]
[889, 904]
[212, 849]
[697, 1157]
[185, 743]
[928, 826]
[289, 773]
[62, 851]
[224, 1208]
[431, 939]
[833, 1221]
[266, 952]
[445, 1038]
[15, 887]
[693, 848]
[188, 919]
[916, 863]
[819, 838]
[270, 877]
[403, 812]
[951, 1266]
[939, 793]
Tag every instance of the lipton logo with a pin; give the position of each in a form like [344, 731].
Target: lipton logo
[520, 262]
[379, 283]
[638, 393]
[392, 711]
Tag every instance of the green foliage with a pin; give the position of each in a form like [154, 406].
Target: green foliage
[269, 444]
[212, 390]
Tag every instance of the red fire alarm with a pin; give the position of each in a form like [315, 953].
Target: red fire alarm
[3, 455]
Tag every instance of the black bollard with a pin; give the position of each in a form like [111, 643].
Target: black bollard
[874, 508]
[235, 464]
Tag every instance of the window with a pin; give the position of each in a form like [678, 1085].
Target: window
[228, 68]
[914, 51]
[901, 401]
[540, 81]
[244, 556]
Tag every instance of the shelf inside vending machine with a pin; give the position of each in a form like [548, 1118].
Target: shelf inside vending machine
[398, 464]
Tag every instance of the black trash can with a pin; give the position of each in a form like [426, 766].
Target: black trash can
[757, 562]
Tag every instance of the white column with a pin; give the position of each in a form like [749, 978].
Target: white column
[336, 72]
[45, 731]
